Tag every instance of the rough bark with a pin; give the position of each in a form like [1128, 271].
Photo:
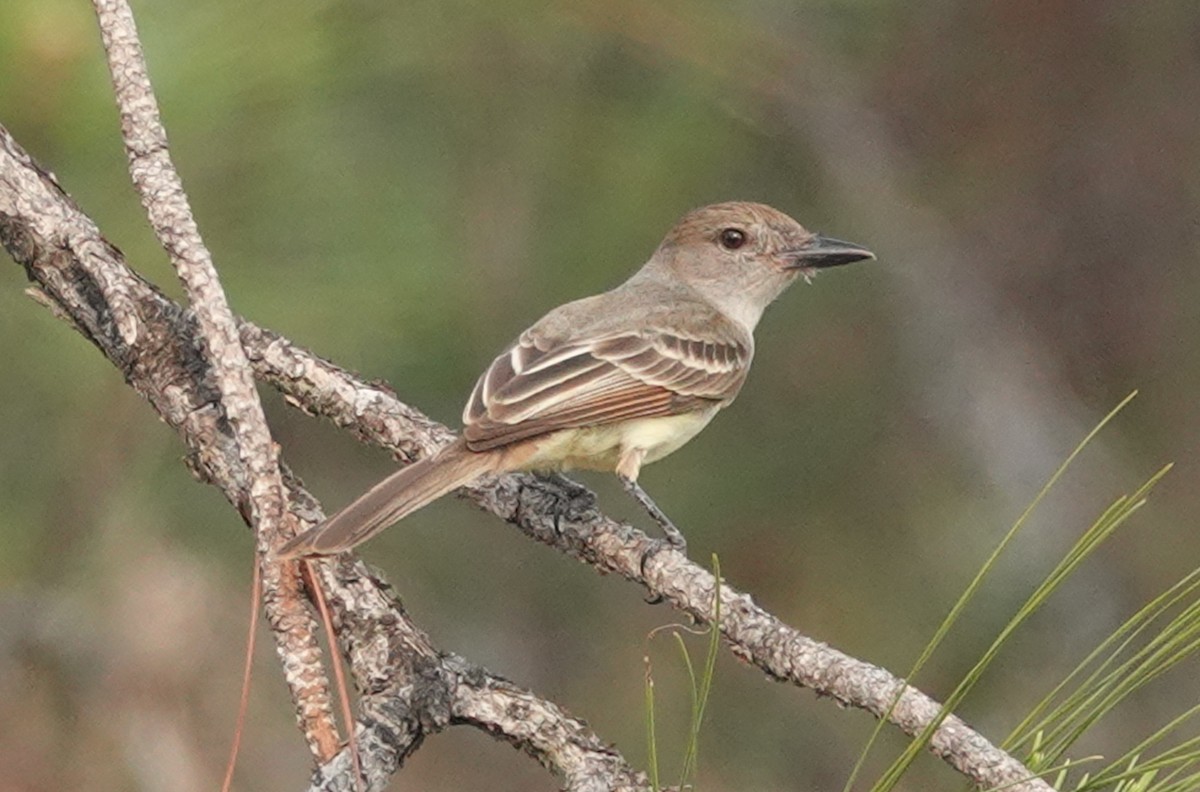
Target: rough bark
[194, 368]
[409, 688]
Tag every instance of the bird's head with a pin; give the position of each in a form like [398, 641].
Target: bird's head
[741, 255]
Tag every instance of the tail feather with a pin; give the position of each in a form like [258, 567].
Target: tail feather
[391, 500]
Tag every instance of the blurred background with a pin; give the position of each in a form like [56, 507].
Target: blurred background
[403, 187]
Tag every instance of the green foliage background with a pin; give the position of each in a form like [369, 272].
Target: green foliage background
[403, 187]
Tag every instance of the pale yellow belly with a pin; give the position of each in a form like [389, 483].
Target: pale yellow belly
[602, 447]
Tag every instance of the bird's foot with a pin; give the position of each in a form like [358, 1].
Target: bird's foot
[579, 495]
[571, 498]
[653, 548]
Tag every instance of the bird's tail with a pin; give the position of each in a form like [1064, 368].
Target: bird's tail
[392, 499]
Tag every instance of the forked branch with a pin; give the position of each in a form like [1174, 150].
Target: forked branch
[409, 688]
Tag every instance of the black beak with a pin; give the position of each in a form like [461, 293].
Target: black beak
[821, 251]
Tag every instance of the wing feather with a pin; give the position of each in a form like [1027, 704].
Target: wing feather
[538, 385]
[534, 381]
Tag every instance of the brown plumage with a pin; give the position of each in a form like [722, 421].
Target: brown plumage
[617, 380]
[542, 384]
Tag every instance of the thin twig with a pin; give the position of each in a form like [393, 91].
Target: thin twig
[247, 672]
[610, 546]
[375, 632]
[408, 685]
[335, 660]
[167, 207]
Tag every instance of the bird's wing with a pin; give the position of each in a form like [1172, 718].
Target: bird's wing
[540, 385]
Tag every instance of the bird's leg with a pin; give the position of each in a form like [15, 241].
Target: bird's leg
[628, 467]
[674, 536]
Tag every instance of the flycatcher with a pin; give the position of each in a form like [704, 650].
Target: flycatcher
[615, 381]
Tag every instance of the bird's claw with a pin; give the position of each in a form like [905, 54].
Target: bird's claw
[570, 498]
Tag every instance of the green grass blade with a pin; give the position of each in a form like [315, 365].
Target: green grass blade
[693, 690]
[701, 692]
[651, 734]
[1036, 722]
[964, 599]
[1109, 521]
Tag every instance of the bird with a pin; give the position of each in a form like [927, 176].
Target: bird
[615, 381]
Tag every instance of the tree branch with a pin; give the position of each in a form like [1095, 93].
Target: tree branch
[544, 513]
[409, 688]
[161, 190]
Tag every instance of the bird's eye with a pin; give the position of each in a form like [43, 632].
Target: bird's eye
[732, 238]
